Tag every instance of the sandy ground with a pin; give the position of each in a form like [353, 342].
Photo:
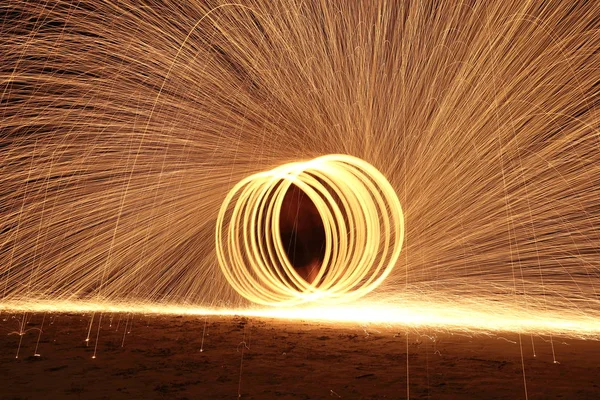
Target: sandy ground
[160, 357]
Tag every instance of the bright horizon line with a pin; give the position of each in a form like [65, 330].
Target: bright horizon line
[410, 315]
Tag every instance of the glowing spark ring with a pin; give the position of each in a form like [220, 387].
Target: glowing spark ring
[362, 219]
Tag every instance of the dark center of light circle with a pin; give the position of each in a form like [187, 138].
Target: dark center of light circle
[302, 233]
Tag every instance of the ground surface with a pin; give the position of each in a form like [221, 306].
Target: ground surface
[159, 357]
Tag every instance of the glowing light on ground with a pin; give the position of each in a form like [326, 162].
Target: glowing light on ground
[488, 318]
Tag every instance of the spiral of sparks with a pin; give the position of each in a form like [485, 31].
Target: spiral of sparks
[124, 125]
[364, 230]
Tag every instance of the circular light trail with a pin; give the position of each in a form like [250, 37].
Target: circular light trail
[362, 219]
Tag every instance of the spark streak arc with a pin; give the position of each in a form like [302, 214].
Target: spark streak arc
[125, 124]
